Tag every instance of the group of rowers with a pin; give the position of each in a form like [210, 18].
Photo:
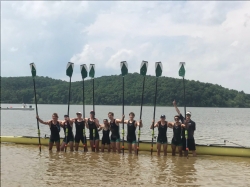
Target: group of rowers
[180, 140]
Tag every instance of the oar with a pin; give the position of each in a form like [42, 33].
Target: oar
[92, 75]
[84, 72]
[182, 74]
[124, 70]
[143, 71]
[69, 72]
[158, 72]
[33, 72]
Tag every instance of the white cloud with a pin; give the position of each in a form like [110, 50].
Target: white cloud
[212, 38]
[13, 49]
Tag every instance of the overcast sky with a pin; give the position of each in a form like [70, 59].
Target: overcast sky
[211, 37]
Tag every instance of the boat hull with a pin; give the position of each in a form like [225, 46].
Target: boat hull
[144, 146]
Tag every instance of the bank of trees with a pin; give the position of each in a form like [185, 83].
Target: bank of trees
[108, 91]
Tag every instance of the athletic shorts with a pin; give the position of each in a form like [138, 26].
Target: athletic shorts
[80, 138]
[162, 140]
[69, 139]
[54, 140]
[131, 140]
[115, 138]
[96, 137]
[105, 141]
[176, 142]
[191, 144]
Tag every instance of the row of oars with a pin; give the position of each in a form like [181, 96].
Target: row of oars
[124, 71]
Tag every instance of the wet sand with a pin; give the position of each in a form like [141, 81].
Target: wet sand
[23, 165]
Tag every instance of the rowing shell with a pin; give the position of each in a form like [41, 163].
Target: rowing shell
[145, 146]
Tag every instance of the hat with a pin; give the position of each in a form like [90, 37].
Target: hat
[163, 116]
[188, 113]
[78, 113]
[92, 112]
[66, 115]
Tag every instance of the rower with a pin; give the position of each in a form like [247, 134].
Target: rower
[80, 131]
[54, 126]
[93, 124]
[105, 127]
[176, 140]
[131, 128]
[162, 135]
[69, 136]
[115, 133]
[190, 126]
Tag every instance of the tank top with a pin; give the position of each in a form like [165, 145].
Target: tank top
[70, 132]
[55, 129]
[92, 126]
[114, 129]
[105, 134]
[177, 132]
[79, 128]
[131, 129]
[162, 130]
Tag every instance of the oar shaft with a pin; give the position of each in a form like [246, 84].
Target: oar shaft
[156, 81]
[83, 115]
[66, 134]
[93, 82]
[38, 129]
[142, 97]
[123, 115]
[69, 94]
[184, 94]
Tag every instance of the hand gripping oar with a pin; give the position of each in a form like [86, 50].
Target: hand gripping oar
[92, 75]
[84, 72]
[69, 72]
[143, 72]
[124, 70]
[33, 72]
[182, 74]
[158, 72]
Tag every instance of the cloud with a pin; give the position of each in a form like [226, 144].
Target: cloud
[212, 38]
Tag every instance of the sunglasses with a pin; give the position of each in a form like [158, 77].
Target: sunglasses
[176, 118]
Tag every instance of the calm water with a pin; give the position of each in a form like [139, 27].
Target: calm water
[213, 125]
[23, 165]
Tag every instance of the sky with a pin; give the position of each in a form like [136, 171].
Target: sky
[212, 37]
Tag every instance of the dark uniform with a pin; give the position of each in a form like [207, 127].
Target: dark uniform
[105, 137]
[131, 137]
[92, 126]
[70, 137]
[115, 134]
[80, 128]
[176, 140]
[162, 133]
[55, 132]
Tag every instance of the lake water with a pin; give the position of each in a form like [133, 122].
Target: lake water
[23, 165]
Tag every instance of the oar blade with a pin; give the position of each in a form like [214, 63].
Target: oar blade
[158, 69]
[69, 69]
[84, 70]
[182, 69]
[124, 68]
[33, 69]
[144, 67]
[92, 70]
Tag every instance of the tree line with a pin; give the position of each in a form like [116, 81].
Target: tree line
[108, 91]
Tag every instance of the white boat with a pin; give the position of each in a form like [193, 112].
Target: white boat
[18, 108]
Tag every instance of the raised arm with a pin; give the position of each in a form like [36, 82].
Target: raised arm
[170, 124]
[101, 127]
[139, 123]
[120, 121]
[43, 122]
[176, 108]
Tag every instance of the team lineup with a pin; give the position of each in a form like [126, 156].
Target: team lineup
[183, 133]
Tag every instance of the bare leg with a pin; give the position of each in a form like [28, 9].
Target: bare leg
[76, 146]
[135, 148]
[51, 145]
[97, 145]
[158, 149]
[129, 148]
[180, 150]
[113, 146]
[118, 147]
[173, 149]
[92, 145]
[165, 148]
[102, 147]
[63, 146]
[71, 145]
[108, 147]
[194, 153]
[58, 146]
